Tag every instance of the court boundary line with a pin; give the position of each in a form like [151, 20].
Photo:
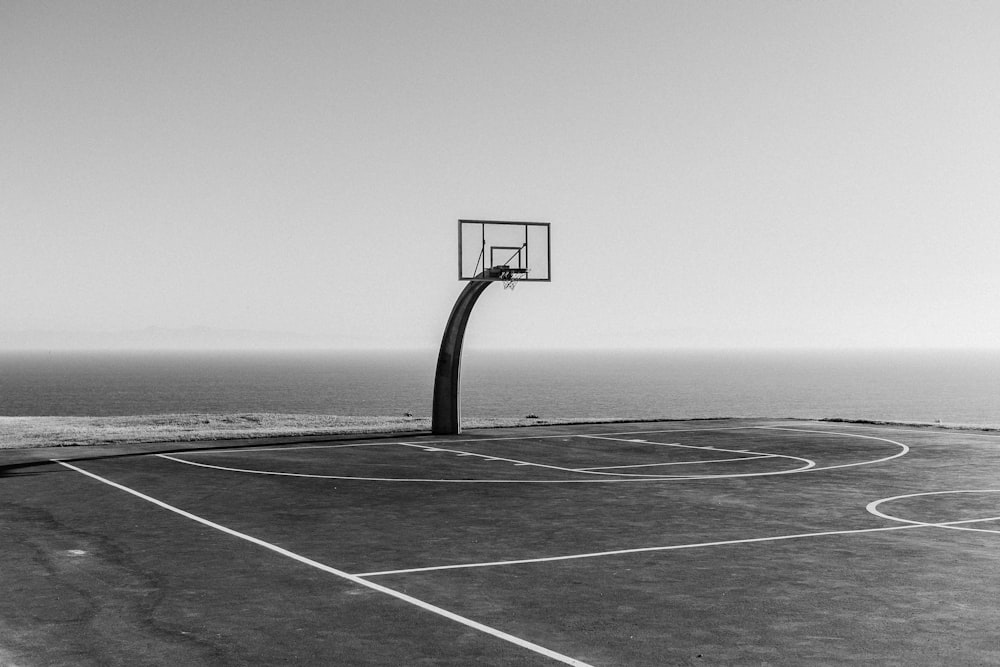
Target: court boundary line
[426, 606]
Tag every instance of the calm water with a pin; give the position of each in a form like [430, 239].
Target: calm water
[954, 387]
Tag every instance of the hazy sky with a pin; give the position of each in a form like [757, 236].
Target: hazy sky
[717, 174]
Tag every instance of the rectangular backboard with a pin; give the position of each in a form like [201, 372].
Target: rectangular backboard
[491, 249]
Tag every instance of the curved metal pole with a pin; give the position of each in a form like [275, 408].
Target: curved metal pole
[446, 418]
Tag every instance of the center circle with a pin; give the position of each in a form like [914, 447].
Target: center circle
[874, 507]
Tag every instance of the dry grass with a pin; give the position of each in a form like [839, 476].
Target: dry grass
[24, 432]
[32, 432]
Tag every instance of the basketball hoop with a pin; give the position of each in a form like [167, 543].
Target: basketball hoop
[488, 249]
[511, 276]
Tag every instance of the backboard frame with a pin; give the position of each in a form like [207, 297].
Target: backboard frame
[479, 272]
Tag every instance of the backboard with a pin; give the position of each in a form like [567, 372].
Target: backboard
[492, 250]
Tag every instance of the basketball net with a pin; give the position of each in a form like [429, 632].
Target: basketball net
[511, 278]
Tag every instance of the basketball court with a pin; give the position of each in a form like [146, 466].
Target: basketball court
[660, 543]
[706, 542]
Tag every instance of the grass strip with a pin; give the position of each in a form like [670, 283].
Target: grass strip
[33, 432]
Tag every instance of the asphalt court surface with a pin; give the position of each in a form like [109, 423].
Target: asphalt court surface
[706, 542]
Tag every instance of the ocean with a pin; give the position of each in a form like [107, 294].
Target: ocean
[954, 387]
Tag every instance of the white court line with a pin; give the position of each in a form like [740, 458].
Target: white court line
[519, 462]
[809, 465]
[340, 573]
[904, 449]
[595, 471]
[682, 463]
[701, 447]
[620, 552]
[674, 430]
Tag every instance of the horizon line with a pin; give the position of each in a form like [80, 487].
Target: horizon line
[518, 348]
